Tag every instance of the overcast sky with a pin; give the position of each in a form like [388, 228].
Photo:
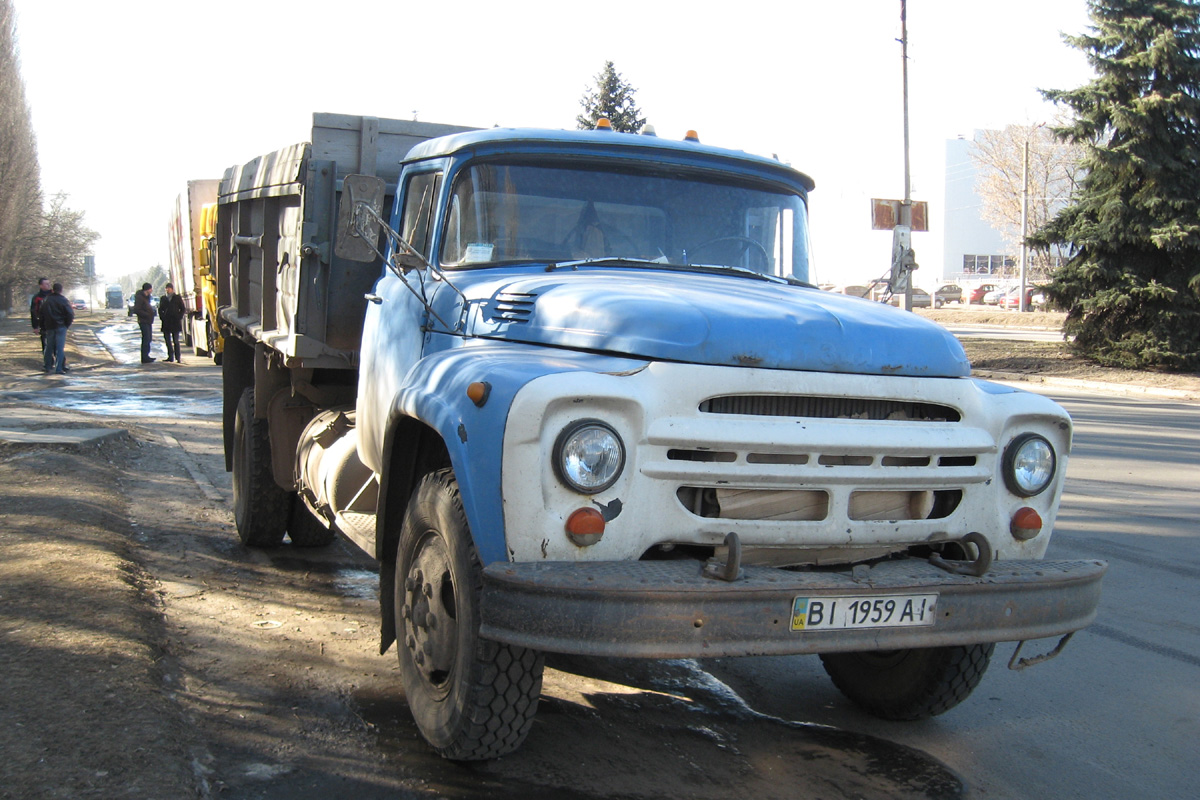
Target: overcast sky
[132, 99]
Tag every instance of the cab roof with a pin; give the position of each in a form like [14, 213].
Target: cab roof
[497, 141]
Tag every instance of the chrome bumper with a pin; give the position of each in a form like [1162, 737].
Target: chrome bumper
[667, 609]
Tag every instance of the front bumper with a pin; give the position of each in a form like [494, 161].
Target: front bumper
[667, 609]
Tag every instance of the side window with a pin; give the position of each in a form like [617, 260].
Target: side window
[420, 194]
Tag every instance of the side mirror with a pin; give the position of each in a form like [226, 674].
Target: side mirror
[357, 235]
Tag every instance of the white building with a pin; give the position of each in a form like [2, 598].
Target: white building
[973, 252]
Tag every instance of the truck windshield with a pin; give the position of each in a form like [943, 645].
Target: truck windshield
[514, 213]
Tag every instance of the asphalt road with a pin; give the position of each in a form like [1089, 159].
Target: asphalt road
[1011, 333]
[1116, 715]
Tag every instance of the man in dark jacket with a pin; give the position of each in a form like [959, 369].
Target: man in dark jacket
[145, 314]
[35, 308]
[57, 316]
[170, 316]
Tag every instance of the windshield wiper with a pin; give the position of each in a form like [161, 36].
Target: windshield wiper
[622, 260]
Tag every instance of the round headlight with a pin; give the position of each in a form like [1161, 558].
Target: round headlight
[589, 456]
[1029, 465]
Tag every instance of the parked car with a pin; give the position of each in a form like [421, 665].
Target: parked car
[1032, 298]
[79, 305]
[950, 293]
[854, 291]
[920, 299]
[978, 293]
[994, 297]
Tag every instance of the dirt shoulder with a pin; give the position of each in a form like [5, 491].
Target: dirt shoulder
[85, 712]
[1050, 361]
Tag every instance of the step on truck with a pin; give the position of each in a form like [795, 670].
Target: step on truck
[191, 239]
[574, 393]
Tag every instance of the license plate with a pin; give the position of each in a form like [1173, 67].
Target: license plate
[841, 613]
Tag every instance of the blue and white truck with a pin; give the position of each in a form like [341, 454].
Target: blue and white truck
[574, 392]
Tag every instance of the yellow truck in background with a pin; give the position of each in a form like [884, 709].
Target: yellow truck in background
[192, 234]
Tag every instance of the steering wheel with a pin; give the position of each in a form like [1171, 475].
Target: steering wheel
[746, 244]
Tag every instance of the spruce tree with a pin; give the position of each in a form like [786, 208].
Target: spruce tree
[1132, 285]
[611, 97]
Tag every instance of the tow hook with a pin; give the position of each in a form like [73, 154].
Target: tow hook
[1019, 664]
[978, 567]
[731, 569]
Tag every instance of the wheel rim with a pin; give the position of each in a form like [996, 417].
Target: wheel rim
[431, 611]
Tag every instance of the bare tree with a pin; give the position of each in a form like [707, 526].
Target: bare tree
[1054, 173]
[20, 182]
[62, 242]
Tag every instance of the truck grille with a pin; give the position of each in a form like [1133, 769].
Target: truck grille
[829, 408]
[852, 459]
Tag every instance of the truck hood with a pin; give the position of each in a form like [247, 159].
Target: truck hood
[701, 318]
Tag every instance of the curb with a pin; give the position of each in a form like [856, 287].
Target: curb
[74, 437]
[1133, 389]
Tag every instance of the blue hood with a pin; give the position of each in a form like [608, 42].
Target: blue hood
[707, 319]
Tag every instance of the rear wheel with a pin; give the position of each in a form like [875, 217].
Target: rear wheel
[212, 343]
[909, 684]
[260, 506]
[304, 529]
[472, 698]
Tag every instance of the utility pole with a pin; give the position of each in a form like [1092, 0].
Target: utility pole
[903, 258]
[1024, 222]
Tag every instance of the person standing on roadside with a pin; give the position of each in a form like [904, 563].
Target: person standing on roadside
[35, 308]
[57, 316]
[170, 316]
[144, 311]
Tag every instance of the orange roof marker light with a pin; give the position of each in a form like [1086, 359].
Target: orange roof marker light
[691, 136]
[603, 124]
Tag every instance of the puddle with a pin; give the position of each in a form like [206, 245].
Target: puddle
[158, 392]
[79, 395]
[359, 583]
[675, 731]
[124, 341]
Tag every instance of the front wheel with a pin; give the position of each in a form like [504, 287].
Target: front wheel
[909, 684]
[473, 699]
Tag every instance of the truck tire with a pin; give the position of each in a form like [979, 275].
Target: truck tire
[260, 506]
[304, 529]
[212, 343]
[473, 699]
[909, 684]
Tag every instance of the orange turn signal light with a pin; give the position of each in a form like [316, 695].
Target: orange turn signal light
[478, 392]
[585, 526]
[1026, 524]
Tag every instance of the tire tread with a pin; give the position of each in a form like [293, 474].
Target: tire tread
[926, 683]
[262, 521]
